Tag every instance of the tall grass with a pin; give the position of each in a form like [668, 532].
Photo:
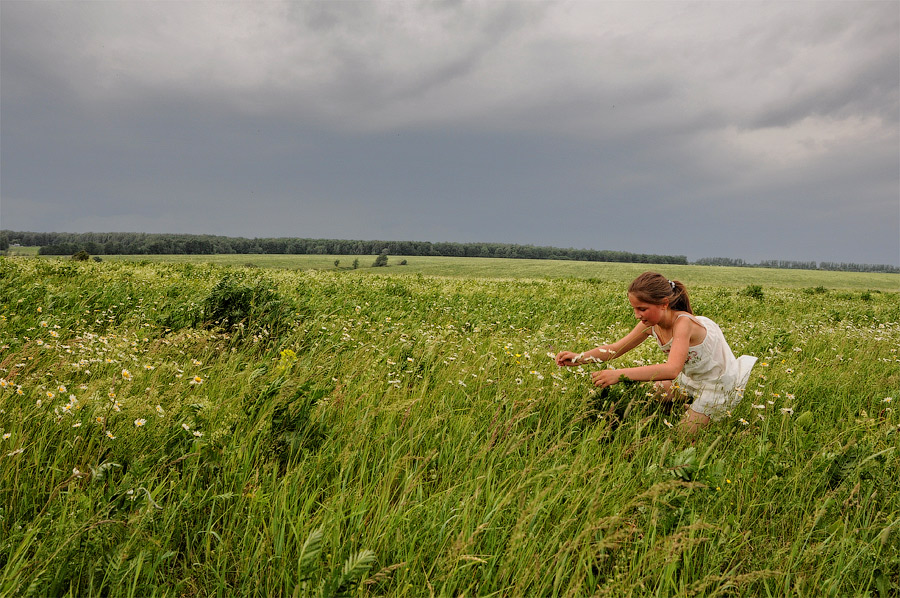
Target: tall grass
[190, 429]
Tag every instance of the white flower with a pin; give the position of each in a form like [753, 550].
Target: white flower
[744, 421]
[665, 421]
[140, 422]
[887, 399]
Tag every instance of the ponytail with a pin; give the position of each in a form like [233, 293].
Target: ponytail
[655, 288]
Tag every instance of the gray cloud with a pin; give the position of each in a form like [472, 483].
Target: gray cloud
[757, 130]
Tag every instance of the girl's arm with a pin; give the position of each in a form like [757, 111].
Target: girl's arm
[655, 373]
[605, 352]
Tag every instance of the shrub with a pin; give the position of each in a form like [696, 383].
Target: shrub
[235, 301]
[754, 291]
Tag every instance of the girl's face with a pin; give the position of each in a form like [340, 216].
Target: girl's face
[648, 313]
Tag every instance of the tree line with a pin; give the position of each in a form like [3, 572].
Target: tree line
[149, 244]
[97, 244]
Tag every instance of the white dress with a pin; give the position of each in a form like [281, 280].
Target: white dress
[712, 375]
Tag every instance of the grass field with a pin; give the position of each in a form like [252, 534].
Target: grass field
[548, 269]
[193, 429]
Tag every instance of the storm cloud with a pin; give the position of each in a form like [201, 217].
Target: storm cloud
[754, 130]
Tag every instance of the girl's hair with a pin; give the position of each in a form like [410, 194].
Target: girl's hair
[654, 288]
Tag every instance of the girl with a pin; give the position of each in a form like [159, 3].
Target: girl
[700, 362]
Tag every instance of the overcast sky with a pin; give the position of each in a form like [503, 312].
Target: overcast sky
[753, 130]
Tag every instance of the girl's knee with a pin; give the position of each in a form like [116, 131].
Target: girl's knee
[663, 391]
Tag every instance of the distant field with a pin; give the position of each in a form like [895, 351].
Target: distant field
[22, 250]
[549, 269]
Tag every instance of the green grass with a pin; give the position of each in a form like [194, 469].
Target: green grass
[22, 251]
[549, 269]
[195, 429]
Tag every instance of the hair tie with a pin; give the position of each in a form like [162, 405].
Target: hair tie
[672, 284]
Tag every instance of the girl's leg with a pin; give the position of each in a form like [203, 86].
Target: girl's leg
[664, 391]
[693, 421]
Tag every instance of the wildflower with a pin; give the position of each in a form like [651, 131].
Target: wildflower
[100, 419]
[15, 452]
[54, 334]
[50, 394]
[139, 422]
[149, 367]
[668, 424]
[110, 435]
[61, 388]
[744, 421]
[7, 435]
[887, 399]
[789, 370]
[196, 362]
[758, 406]
[197, 433]
[197, 380]
[159, 411]
[76, 424]
[126, 374]
[186, 427]
[787, 410]
[44, 324]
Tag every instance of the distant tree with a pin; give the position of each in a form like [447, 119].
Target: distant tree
[381, 260]
[81, 256]
[337, 263]
[402, 262]
[356, 263]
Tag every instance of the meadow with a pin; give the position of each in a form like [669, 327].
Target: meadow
[200, 429]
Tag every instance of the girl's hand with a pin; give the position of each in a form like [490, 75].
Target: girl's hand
[604, 378]
[566, 359]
